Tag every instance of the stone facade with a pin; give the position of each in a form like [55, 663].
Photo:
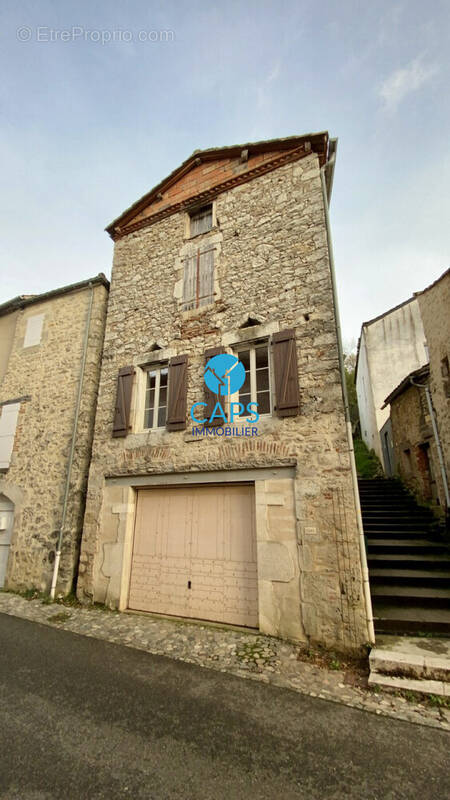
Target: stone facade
[272, 266]
[434, 303]
[416, 457]
[41, 374]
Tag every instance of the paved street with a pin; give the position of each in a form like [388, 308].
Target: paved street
[83, 718]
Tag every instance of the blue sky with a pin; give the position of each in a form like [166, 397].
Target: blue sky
[87, 128]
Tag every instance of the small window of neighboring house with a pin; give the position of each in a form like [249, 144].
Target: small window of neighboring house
[201, 220]
[33, 330]
[257, 384]
[156, 392]
[198, 282]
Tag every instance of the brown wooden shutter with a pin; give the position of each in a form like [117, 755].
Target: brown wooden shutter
[176, 412]
[209, 396]
[123, 401]
[287, 400]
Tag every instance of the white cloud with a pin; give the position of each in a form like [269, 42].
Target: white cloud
[263, 91]
[404, 81]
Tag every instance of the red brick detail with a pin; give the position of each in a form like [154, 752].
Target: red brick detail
[197, 187]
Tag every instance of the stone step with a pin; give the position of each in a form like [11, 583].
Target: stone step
[414, 663]
[410, 684]
[432, 575]
[409, 560]
[409, 618]
[405, 545]
[421, 593]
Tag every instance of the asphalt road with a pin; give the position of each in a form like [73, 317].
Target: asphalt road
[81, 718]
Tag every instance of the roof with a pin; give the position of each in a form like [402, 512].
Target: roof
[431, 286]
[418, 374]
[24, 300]
[319, 143]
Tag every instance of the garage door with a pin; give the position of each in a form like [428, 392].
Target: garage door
[194, 554]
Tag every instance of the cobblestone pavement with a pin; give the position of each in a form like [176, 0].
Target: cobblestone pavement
[247, 654]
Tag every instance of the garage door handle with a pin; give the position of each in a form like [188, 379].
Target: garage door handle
[189, 584]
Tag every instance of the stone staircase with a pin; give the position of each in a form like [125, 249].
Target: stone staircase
[409, 561]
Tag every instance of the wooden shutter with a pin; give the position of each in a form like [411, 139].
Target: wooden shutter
[206, 278]
[176, 411]
[123, 401]
[189, 282]
[211, 398]
[287, 400]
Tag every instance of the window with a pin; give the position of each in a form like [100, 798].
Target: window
[33, 330]
[201, 220]
[198, 283]
[257, 384]
[156, 389]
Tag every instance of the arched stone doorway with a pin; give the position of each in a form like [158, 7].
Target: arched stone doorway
[6, 528]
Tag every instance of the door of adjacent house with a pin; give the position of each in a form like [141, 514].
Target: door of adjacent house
[194, 553]
[6, 527]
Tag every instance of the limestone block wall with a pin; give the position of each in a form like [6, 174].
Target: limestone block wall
[434, 305]
[272, 264]
[44, 378]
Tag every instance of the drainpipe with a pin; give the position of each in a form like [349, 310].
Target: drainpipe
[437, 439]
[348, 425]
[72, 446]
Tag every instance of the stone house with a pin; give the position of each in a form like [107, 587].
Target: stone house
[390, 346]
[422, 395]
[230, 501]
[50, 355]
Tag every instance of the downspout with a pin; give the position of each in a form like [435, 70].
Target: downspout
[437, 439]
[72, 446]
[362, 547]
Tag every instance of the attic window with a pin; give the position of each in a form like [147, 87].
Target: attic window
[201, 220]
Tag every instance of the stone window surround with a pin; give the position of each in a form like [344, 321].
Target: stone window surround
[142, 363]
[277, 540]
[214, 238]
[187, 220]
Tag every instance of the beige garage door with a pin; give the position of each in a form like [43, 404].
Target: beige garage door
[194, 554]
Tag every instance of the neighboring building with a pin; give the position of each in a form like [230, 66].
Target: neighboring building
[434, 304]
[249, 524]
[415, 446]
[389, 347]
[42, 342]
[415, 453]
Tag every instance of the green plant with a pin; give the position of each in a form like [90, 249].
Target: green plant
[368, 464]
[63, 616]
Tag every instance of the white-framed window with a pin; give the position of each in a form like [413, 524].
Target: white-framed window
[198, 279]
[257, 387]
[201, 220]
[156, 396]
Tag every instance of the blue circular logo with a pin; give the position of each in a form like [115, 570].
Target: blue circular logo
[224, 374]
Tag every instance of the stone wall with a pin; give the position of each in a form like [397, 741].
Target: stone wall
[272, 264]
[434, 305]
[414, 446]
[45, 377]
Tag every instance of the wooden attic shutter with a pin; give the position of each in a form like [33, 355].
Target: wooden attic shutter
[211, 398]
[121, 422]
[176, 411]
[286, 374]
